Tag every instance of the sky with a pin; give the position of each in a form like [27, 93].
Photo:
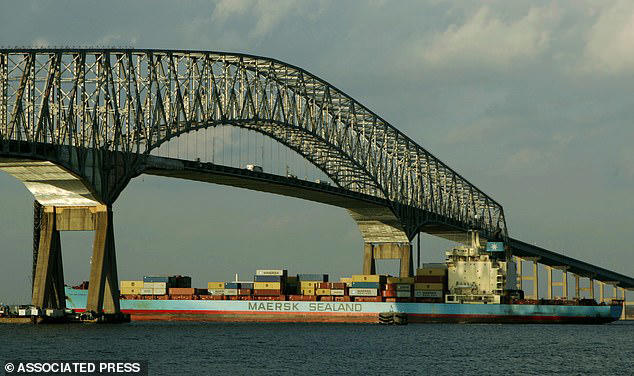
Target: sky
[529, 100]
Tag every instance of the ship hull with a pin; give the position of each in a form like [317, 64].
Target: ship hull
[352, 312]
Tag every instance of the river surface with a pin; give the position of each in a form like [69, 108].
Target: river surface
[339, 349]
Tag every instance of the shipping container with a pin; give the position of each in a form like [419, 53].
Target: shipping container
[216, 285]
[363, 292]
[313, 277]
[337, 285]
[268, 278]
[155, 285]
[323, 285]
[322, 292]
[278, 272]
[429, 286]
[308, 291]
[152, 279]
[181, 291]
[366, 285]
[137, 284]
[309, 284]
[403, 287]
[232, 285]
[403, 294]
[368, 298]
[244, 292]
[267, 286]
[216, 291]
[267, 292]
[159, 291]
[428, 294]
[326, 298]
[246, 285]
[432, 271]
[147, 291]
[409, 280]
[369, 278]
[338, 292]
[130, 290]
[230, 292]
[342, 299]
[389, 293]
[431, 278]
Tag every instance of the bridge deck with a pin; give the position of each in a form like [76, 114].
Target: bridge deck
[546, 257]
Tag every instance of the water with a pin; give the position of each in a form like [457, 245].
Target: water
[341, 349]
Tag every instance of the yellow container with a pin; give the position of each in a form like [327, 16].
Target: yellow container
[130, 290]
[308, 291]
[267, 285]
[322, 292]
[216, 285]
[428, 286]
[345, 279]
[408, 280]
[309, 284]
[368, 278]
[434, 272]
[137, 284]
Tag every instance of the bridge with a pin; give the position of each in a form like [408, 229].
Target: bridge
[76, 125]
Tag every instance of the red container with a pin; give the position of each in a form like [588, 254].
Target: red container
[342, 299]
[390, 300]
[244, 291]
[181, 291]
[389, 287]
[338, 285]
[368, 298]
[324, 285]
[267, 292]
[389, 293]
[326, 299]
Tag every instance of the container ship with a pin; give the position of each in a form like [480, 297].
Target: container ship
[475, 285]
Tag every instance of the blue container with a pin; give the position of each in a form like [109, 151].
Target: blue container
[268, 278]
[246, 285]
[313, 277]
[156, 279]
[365, 285]
[232, 285]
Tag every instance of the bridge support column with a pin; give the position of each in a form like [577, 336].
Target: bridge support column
[103, 289]
[577, 289]
[518, 262]
[601, 292]
[386, 251]
[534, 278]
[48, 279]
[549, 269]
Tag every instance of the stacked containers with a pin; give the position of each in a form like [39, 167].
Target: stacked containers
[309, 283]
[216, 288]
[431, 282]
[155, 285]
[398, 287]
[366, 285]
[269, 282]
[130, 287]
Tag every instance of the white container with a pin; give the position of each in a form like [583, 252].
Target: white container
[33, 312]
[337, 292]
[216, 291]
[22, 312]
[403, 294]
[270, 272]
[403, 287]
[155, 285]
[230, 292]
[363, 292]
[428, 293]
[147, 291]
[162, 291]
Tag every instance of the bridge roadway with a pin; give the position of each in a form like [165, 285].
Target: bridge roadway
[340, 197]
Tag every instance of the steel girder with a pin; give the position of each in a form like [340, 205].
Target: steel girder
[130, 102]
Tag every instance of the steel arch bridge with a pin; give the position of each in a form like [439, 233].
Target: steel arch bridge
[76, 125]
[106, 109]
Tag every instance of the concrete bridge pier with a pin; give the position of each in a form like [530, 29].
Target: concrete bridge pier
[388, 251]
[48, 279]
[48, 275]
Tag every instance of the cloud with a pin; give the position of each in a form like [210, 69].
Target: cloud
[609, 41]
[489, 39]
[268, 15]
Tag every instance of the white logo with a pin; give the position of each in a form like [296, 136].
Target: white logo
[9, 367]
[494, 247]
